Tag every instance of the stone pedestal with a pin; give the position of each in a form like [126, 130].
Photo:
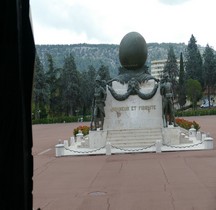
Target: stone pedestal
[97, 139]
[134, 112]
[171, 135]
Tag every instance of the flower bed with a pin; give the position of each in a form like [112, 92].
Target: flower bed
[187, 124]
[83, 128]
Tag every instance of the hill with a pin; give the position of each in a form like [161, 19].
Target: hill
[106, 54]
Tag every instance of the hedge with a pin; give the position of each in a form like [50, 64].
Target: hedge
[61, 120]
[197, 112]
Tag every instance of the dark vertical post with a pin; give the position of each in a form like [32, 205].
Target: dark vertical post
[17, 69]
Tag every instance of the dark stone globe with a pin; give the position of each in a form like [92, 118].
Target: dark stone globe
[133, 51]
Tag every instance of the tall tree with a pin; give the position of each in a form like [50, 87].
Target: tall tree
[87, 88]
[209, 71]
[52, 76]
[70, 86]
[193, 64]
[181, 84]
[40, 90]
[171, 68]
[194, 91]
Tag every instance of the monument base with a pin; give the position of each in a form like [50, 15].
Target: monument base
[125, 138]
[97, 139]
[171, 135]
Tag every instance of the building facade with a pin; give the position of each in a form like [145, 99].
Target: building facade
[157, 67]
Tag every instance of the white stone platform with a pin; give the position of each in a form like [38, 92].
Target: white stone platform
[158, 147]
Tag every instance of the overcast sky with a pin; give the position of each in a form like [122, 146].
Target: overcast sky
[107, 21]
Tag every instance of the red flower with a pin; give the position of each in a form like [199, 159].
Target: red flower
[187, 124]
[84, 129]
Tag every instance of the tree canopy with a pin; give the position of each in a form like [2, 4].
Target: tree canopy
[171, 68]
[193, 63]
[194, 91]
[181, 84]
[209, 70]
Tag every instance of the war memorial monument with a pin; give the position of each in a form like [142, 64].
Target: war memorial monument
[133, 112]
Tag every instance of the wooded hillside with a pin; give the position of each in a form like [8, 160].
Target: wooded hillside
[98, 54]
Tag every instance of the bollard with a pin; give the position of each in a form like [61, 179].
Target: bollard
[72, 141]
[66, 143]
[192, 132]
[158, 145]
[108, 148]
[203, 136]
[79, 136]
[208, 143]
[59, 149]
[199, 136]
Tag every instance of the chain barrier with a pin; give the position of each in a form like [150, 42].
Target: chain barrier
[172, 146]
[133, 150]
[84, 152]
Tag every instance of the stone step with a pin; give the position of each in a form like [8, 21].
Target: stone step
[134, 137]
[133, 145]
[136, 130]
[133, 133]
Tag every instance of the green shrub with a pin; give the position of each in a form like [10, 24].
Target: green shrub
[64, 119]
[197, 112]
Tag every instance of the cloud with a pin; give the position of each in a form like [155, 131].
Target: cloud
[72, 18]
[173, 2]
[107, 21]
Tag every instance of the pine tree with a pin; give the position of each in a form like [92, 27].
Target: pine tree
[40, 90]
[87, 89]
[181, 86]
[193, 62]
[194, 91]
[209, 70]
[52, 76]
[70, 87]
[171, 68]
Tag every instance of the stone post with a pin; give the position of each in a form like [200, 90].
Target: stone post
[59, 149]
[208, 143]
[72, 141]
[79, 136]
[192, 133]
[66, 143]
[108, 148]
[158, 145]
[203, 136]
[199, 136]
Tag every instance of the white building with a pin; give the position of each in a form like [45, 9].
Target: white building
[157, 67]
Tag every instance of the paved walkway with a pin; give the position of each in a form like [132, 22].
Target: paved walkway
[151, 181]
